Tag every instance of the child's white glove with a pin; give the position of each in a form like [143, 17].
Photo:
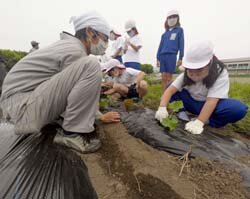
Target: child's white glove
[194, 127]
[161, 113]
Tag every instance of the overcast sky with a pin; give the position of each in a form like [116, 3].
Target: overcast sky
[225, 22]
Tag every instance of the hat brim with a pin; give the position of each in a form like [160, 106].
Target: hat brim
[117, 34]
[190, 65]
[119, 66]
[172, 15]
[128, 29]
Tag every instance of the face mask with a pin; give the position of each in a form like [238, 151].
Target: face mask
[131, 33]
[196, 79]
[112, 37]
[172, 21]
[99, 48]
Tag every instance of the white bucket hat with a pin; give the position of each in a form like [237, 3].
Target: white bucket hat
[116, 32]
[172, 12]
[112, 63]
[198, 55]
[91, 19]
[129, 25]
[103, 67]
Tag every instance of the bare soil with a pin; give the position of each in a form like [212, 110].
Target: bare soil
[126, 167]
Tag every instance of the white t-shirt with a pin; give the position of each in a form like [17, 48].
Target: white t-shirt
[116, 45]
[128, 77]
[199, 91]
[131, 55]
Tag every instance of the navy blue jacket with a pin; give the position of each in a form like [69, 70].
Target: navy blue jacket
[172, 41]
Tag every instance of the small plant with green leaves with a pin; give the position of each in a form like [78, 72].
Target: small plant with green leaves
[103, 103]
[171, 121]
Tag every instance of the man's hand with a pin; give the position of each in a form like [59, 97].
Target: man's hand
[194, 127]
[110, 117]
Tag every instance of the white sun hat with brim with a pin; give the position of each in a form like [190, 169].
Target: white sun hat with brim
[129, 25]
[198, 55]
[172, 12]
[103, 67]
[112, 63]
[116, 32]
[91, 19]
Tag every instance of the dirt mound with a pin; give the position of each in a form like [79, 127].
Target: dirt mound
[126, 167]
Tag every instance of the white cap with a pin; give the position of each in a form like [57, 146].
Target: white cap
[112, 63]
[198, 55]
[129, 25]
[91, 19]
[172, 12]
[103, 67]
[116, 31]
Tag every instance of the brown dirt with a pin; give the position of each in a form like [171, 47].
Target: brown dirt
[125, 167]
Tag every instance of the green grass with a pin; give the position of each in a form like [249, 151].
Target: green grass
[237, 90]
[239, 75]
[152, 99]
[151, 79]
[242, 92]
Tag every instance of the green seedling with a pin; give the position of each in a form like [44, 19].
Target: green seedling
[175, 106]
[171, 121]
[103, 103]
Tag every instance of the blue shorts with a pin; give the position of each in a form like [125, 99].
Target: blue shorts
[167, 63]
[134, 65]
[119, 58]
[132, 92]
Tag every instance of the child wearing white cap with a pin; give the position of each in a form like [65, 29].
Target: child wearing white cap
[61, 79]
[125, 82]
[203, 89]
[172, 42]
[117, 45]
[132, 46]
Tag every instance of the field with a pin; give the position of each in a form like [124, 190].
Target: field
[126, 167]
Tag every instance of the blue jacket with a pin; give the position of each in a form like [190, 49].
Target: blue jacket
[172, 41]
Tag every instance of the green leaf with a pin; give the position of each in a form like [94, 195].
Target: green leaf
[170, 122]
[103, 103]
[175, 106]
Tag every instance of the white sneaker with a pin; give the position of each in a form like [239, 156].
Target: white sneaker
[78, 142]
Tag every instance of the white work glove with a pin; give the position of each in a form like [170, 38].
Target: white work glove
[161, 113]
[194, 127]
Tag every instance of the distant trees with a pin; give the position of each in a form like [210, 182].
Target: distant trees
[11, 57]
[147, 68]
